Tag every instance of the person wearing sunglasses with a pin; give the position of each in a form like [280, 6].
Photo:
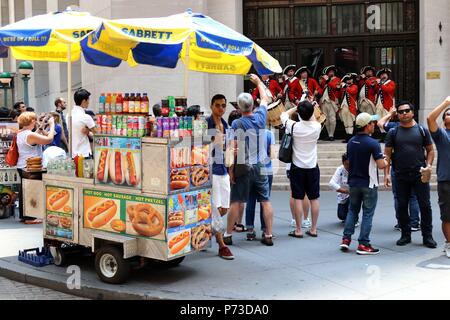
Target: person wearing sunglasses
[410, 149]
[441, 137]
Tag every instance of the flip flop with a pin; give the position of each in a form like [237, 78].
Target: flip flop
[309, 233]
[293, 235]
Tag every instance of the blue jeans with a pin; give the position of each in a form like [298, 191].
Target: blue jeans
[413, 203]
[368, 199]
[343, 210]
[251, 208]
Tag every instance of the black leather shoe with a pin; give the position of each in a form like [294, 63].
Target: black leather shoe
[429, 242]
[404, 240]
[331, 139]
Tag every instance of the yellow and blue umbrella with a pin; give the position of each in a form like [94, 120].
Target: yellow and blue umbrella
[54, 36]
[202, 43]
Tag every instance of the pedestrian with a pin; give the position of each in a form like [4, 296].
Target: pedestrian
[410, 149]
[29, 145]
[251, 204]
[339, 183]
[365, 157]
[385, 125]
[291, 87]
[60, 106]
[20, 107]
[82, 125]
[304, 173]
[238, 226]
[194, 111]
[220, 179]
[441, 137]
[246, 174]
[58, 138]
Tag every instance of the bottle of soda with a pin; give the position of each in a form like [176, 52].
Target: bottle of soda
[113, 102]
[137, 103]
[108, 103]
[131, 103]
[125, 106]
[101, 104]
[119, 103]
[145, 104]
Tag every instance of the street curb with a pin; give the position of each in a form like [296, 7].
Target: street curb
[18, 273]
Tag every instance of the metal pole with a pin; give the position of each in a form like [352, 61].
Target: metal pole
[69, 95]
[186, 69]
[25, 90]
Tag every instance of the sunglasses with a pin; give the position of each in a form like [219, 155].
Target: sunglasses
[404, 111]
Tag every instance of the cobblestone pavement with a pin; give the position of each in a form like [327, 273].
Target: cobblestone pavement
[11, 290]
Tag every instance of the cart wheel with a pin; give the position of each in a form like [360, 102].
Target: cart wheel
[173, 263]
[110, 265]
[59, 256]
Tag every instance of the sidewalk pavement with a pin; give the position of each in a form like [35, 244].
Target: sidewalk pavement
[292, 269]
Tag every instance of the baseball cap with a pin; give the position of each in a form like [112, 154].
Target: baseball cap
[363, 119]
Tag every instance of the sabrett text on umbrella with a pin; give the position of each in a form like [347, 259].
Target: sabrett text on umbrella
[148, 34]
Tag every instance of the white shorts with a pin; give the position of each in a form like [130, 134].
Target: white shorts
[221, 190]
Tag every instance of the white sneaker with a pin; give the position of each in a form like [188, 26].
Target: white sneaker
[447, 249]
[293, 224]
[306, 224]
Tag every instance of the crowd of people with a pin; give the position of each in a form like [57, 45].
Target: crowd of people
[407, 161]
[371, 91]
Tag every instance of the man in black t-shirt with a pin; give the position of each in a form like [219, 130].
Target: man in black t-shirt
[410, 149]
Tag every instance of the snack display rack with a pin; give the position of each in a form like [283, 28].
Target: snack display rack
[150, 198]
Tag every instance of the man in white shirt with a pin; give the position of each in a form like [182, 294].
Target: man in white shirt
[82, 125]
[304, 173]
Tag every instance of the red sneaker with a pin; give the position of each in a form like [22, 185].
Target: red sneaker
[345, 245]
[225, 253]
[367, 250]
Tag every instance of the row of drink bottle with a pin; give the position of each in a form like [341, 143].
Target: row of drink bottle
[129, 103]
[125, 126]
[177, 127]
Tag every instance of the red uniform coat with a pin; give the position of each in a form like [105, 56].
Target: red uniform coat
[293, 88]
[387, 94]
[350, 94]
[313, 86]
[273, 86]
[334, 88]
[370, 87]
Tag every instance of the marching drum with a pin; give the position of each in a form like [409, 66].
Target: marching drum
[274, 112]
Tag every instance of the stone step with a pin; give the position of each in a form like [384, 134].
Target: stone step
[276, 186]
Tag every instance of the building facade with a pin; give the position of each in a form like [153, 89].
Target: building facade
[408, 36]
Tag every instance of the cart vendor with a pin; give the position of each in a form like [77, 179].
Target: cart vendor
[82, 125]
[29, 145]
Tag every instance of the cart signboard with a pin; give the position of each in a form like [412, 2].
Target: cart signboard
[59, 212]
[189, 222]
[131, 215]
[118, 161]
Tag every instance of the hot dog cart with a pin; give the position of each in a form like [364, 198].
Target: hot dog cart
[149, 198]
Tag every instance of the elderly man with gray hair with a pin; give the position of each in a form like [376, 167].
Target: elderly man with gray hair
[245, 175]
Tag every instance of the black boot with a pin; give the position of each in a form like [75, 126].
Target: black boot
[404, 240]
[429, 242]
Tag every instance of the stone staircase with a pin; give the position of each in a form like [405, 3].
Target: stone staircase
[329, 158]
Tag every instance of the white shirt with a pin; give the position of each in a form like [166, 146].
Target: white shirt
[80, 141]
[25, 149]
[340, 180]
[305, 136]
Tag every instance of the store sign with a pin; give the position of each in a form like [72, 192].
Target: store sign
[433, 75]
[118, 161]
[126, 214]
[59, 212]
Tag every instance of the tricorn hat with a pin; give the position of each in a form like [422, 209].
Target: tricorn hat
[349, 76]
[367, 68]
[301, 70]
[289, 67]
[384, 70]
[327, 69]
